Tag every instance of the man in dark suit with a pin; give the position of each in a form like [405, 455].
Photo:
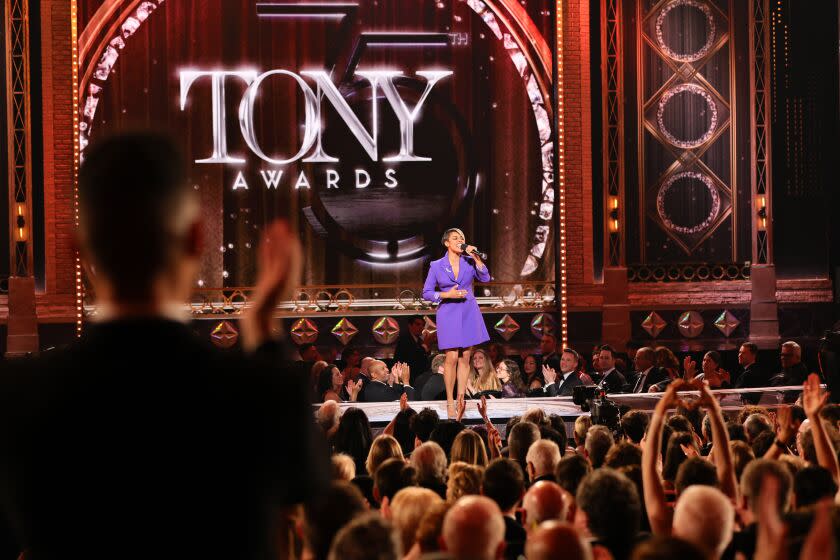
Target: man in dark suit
[504, 483]
[141, 440]
[386, 386]
[794, 371]
[611, 379]
[430, 386]
[753, 375]
[413, 348]
[648, 374]
[548, 348]
[556, 386]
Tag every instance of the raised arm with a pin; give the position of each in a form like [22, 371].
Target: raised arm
[724, 464]
[659, 515]
[813, 401]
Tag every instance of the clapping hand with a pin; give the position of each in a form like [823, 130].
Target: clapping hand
[690, 368]
[403, 402]
[549, 374]
[353, 389]
[784, 424]
[280, 261]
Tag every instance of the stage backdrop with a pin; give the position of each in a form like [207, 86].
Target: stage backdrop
[372, 125]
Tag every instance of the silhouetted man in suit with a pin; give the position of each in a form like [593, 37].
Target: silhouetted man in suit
[611, 379]
[648, 374]
[753, 375]
[412, 348]
[141, 440]
[380, 390]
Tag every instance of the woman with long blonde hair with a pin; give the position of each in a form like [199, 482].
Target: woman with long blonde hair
[482, 373]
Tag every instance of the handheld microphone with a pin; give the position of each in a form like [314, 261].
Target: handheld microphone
[483, 256]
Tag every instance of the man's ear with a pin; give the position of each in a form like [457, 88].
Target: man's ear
[531, 471]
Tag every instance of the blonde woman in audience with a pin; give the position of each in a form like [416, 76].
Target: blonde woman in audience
[482, 374]
[464, 480]
[383, 448]
[406, 511]
[469, 448]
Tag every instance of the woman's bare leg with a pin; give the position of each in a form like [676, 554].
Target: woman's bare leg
[464, 370]
[450, 365]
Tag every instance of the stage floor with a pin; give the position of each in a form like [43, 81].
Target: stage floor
[500, 410]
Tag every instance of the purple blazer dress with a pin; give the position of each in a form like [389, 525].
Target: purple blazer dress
[459, 321]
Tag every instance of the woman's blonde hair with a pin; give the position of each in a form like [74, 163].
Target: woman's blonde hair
[469, 448]
[484, 380]
[343, 467]
[383, 448]
[464, 480]
[407, 509]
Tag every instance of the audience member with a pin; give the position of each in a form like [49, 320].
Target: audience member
[482, 374]
[505, 485]
[429, 535]
[430, 385]
[139, 438]
[541, 461]
[634, 424]
[429, 460]
[331, 386]
[564, 384]
[445, 433]
[392, 476]
[548, 348]
[623, 454]
[612, 381]
[794, 371]
[324, 517]
[354, 437]
[599, 439]
[571, 470]
[367, 537]
[812, 484]
[328, 416]
[468, 448]
[667, 548]
[473, 529]
[413, 347]
[647, 372]
[520, 439]
[343, 467]
[464, 480]
[582, 425]
[555, 540]
[352, 359]
[408, 508]
[378, 389]
[384, 447]
[423, 424]
[402, 431]
[753, 375]
[309, 353]
[695, 471]
[510, 379]
[609, 510]
[531, 372]
[545, 501]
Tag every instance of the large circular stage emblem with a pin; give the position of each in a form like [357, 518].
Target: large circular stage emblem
[680, 29]
[665, 214]
[678, 94]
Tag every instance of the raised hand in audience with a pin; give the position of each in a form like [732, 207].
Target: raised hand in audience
[353, 389]
[784, 431]
[690, 368]
[772, 532]
[461, 408]
[279, 264]
[549, 374]
[813, 401]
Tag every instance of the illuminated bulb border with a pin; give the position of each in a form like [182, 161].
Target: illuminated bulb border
[74, 45]
[561, 178]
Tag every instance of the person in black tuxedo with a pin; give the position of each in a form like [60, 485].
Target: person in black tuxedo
[430, 386]
[568, 380]
[647, 373]
[386, 386]
[611, 379]
[753, 375]
[413, 348]
[141, 440]
[548, 348]
[794, 371]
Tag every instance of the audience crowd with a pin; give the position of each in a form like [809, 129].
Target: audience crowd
[139, 441]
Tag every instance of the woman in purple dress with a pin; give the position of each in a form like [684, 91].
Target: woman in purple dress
[460, 325]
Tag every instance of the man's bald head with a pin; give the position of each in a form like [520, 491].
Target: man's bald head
[545, 501]
[474, 529]
[704, 516]
[555, 540]
[364, 365]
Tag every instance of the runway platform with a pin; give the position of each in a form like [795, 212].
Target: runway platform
[500, 410]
